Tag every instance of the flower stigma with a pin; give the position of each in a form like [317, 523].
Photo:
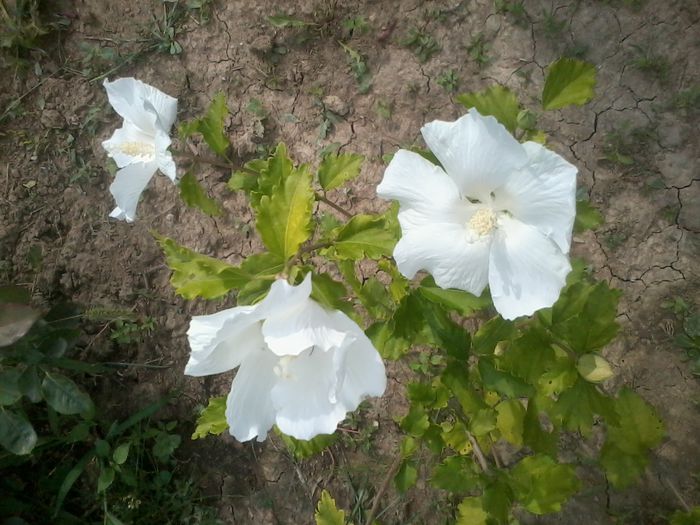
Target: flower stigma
[281, 369]
[482, 222]
[137, 149]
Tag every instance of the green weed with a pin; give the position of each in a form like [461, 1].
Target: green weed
[551, 25]
[651, 64]
[423, 45]
[513, 8]
[448, 80]
[358, 66]
[477, 48]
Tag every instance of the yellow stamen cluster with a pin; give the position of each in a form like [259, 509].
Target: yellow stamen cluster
[137, 149]
[483, 221]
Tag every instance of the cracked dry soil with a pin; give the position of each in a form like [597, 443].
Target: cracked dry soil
[55, 201]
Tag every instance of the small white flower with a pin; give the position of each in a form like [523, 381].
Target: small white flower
[302, 367]
[140, 146]
[500, 213]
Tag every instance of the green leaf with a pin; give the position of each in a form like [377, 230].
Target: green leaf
[510, 420]
[625, 453]
[456, 474]
[281, 21]
[576, 407]
[15, 321]
[196, 275]
[284, 217]
[212, 419]
[211, 126]
[542, 485]
[456, 436]
[497, 101]
[364, 236]
[330, 293]
[691, 517]
[29, 384]
[483, 422]
[9, 386]
[534, 436]
[271, 173]
[305, 448]
[105, 479]
[121, 453]
[490, 334]
[16, 433]
[165, 446]
[587, 217]
[463, 302]
[194, 196]
[529, 356]
[336, 170]
[502, 382]
[327, 513]
[568, 81]
[64, 396]
[471, 512]
[416, 422]
[594, 326]
[561, 376]
[406, 476]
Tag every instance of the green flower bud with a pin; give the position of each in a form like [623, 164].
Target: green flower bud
[594, 368]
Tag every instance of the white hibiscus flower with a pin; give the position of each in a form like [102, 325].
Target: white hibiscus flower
[302, 367]
[140, 146]
[500, 213]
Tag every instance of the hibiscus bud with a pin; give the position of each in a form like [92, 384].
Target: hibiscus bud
[594, 368]
[527, 119]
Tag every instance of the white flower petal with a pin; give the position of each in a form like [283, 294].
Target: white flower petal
[221, 341]
[304, 396]
[543, 195]
[527, 270]
[126, 96]
[127, 187]
[362, 370]
[164, 105]
[476, 151]
[426, 193]
[166, 164]
[445, 251]
[249, 409]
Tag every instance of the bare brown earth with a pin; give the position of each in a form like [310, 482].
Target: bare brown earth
[54, 199]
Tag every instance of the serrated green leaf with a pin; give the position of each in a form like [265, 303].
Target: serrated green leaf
[456, 378]
[691, 517]
[381, 334]
[64, 396]
[194, 196]
[625, 453]
[497, 101]
[503, 382]
[595, 324]
[471, 512]
[497, 500]
[364, 236]
[165, 445]
[536, 437]
[242, 180]
[510, 420]
[483, 422]
[416, 422]
[326, 511]
[17, 435]
[542, 485]
[195, 275]
[569, 81]
[211, 126]
[29, 384]
[456, 436]
[456, 474]
[463, 302]
[336, 170]
[490, 334]
[330, 293]
[305, 448]
[406, 476]
[284, 217]
[561, 375]
[587, 217]
[212, 419]
[575, 407]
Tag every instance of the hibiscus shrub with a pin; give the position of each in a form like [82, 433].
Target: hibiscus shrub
[479, 209]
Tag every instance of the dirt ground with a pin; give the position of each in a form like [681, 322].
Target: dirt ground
[636, 146]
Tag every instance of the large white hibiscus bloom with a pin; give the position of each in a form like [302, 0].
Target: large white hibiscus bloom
[500, 213]
[140, 146]
[302, 367]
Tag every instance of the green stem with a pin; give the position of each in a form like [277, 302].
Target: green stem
[206, 160]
